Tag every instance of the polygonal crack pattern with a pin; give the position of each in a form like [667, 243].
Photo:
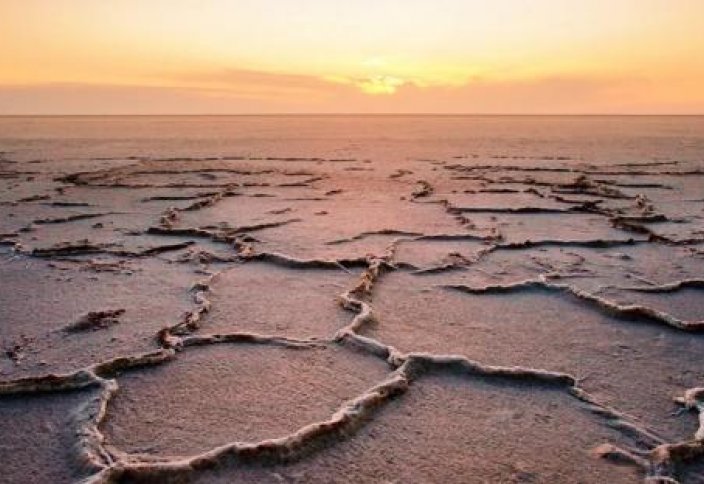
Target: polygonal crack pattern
[469, 431]
[253, 393]
[337, 317]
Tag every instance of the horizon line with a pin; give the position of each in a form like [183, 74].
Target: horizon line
[341, 114]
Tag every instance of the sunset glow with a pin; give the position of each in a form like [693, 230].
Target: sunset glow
[447, 56]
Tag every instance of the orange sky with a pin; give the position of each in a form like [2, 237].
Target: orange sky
[319, 56]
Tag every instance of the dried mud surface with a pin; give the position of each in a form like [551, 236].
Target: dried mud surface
[262, 312]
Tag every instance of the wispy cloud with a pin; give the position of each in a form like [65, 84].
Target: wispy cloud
[262, 83]
[250, 91]
[254, 83]
[374, 85]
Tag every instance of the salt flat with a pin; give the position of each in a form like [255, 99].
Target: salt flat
[351, 299]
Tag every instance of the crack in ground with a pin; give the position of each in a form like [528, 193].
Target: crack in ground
[660, 459]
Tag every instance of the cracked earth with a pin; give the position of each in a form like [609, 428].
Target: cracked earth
[270, 315]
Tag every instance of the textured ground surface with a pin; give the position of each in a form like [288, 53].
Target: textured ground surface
[351, 300]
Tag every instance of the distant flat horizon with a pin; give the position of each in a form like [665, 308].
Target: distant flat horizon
[449, 115]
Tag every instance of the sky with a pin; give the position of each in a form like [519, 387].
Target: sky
[351, 56]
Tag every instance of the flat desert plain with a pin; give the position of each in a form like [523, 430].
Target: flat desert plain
[351, 299]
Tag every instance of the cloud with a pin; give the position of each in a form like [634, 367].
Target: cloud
[380, 84]
[248, 92]
[374, 85]
[550, 95]
[76, 98]
[257, 84]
